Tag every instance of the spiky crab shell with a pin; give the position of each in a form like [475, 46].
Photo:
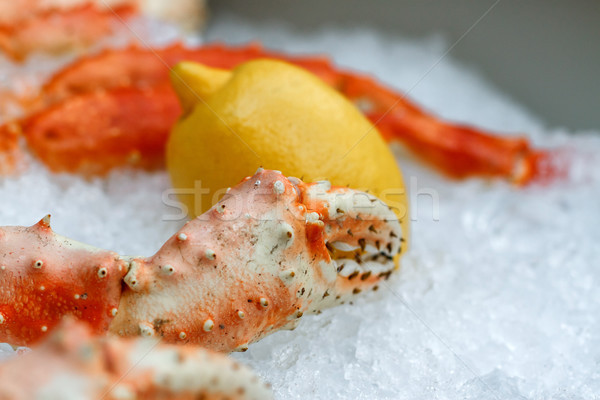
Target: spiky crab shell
[270, 251]
[72, 363]
[44, 276]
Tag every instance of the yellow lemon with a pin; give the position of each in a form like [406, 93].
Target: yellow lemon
[271, 114]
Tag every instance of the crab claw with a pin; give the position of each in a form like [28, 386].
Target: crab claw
[272, 250]
[361, 234]
[44, 276]
[72, 363]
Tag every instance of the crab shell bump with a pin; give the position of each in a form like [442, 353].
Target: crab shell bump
[72, 363]
[270, 251]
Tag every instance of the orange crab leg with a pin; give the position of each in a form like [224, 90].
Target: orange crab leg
[89, 122]
[53, 32]
[45, 276]
[135, 66]
[97, 131]
[456, 150]
[10, 153]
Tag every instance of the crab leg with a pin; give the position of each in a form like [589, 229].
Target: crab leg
[72, 363]
[10, 152]
[51, 31]
[271, 251]
[120, 126]
[44, 276]
[136, 66]
[455, 150]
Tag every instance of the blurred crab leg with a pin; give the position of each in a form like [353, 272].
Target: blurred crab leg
[44, 276]
[73, 363]
[135, 66]
[456, 150]
[13, 12]
[10, 152]
[272, 250]
[53, 32]
[99, 130]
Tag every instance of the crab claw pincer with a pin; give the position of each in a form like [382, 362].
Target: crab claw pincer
[270, 251]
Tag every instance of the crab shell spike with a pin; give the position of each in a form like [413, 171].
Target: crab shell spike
[45, 222]
[50, 276]
[274, 277]
[73, 363]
